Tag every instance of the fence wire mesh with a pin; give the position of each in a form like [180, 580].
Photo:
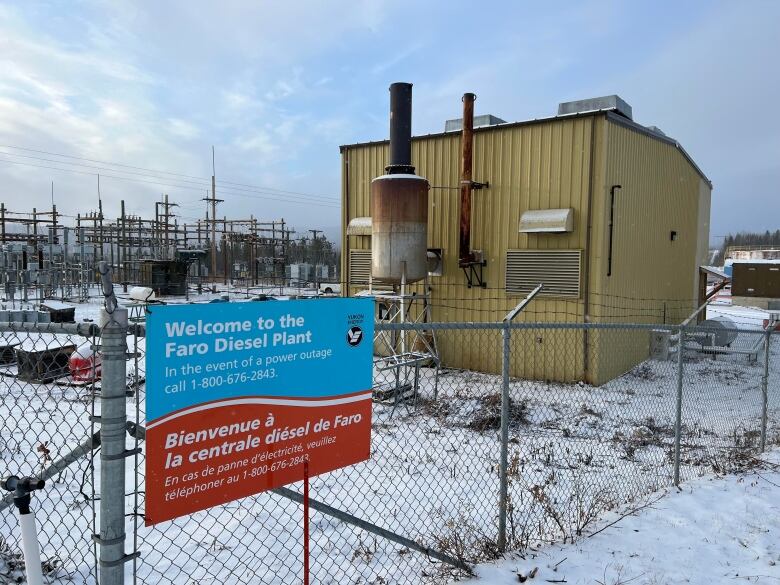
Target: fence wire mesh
[44, 423]
[773, 391]
[591, 425]
[577, 450]
[722, 402]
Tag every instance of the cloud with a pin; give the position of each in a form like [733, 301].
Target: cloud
[711, 88]
[97, 97]
[396, 59]
[276, 87]
[182, 128]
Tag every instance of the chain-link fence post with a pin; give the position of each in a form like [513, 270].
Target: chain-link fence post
[678, 404]
[765, 387]
[506, 334]
[113, 425]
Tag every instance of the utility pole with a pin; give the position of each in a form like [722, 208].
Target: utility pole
[224, 249]
[156, 230]
[165, 227]
[315, 253]
[100, 219]
[166, 216]
[52, 237]
[123, 247]
[213, 200]
[53, 208]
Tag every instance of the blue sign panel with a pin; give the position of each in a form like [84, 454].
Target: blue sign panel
[304, 348]
[241, 397]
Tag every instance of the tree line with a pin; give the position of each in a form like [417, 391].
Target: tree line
[766, 238]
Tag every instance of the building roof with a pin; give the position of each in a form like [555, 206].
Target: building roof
[610, 114]
[716, 271]
[752, 261]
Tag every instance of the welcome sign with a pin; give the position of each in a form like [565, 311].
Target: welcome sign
[240, 395]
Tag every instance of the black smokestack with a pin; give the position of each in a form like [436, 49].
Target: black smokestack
[400, 129]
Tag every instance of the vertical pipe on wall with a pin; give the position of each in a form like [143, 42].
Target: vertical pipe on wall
[611, 226]
[466, 183]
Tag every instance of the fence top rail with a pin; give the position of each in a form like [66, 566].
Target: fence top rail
[82, 329]
[380, 326]
[139, 330]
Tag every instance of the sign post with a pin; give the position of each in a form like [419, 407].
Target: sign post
[305, 523]
[246, 397]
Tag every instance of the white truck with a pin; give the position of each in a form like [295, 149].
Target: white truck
[330, 288]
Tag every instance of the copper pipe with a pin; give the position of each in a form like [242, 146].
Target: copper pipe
[466, 257]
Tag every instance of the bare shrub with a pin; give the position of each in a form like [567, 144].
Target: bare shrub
[11, 563]
[488, 416]
[466, 542]
[644, 371]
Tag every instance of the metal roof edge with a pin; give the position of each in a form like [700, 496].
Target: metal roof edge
[636, 127]
[609, 113]
[589, 113]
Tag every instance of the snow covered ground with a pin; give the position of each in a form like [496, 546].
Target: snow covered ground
[576, 452]
[743, 317]
[713, 530]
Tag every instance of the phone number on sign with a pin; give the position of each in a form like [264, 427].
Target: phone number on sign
[237, 378]
[275, 466]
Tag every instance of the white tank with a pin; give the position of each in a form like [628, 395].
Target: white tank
[142, 293]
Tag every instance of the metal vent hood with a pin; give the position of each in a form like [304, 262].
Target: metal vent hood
[547, 221]
[607, 102]
[359, 226]
[456, 124]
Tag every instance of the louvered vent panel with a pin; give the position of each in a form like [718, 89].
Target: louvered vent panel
[558, 270]
[359, 266]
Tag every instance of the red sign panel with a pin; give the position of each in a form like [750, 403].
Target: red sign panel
[211, 440]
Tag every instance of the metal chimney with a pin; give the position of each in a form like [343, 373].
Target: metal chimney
[400, 129]
[399, 203]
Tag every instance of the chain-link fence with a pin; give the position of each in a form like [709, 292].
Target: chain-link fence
[484, 436]
[47, 430]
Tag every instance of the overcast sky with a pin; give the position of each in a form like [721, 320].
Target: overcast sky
[276, 87]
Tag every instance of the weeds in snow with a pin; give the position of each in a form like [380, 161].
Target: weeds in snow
[12, 569]
[365, 551]
[488, 416]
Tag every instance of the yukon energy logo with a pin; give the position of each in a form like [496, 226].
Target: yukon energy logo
[354, 336]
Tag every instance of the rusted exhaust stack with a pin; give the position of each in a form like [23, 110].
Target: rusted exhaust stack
[466, 256]
[399, 203]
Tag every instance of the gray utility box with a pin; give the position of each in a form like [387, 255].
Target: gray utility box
[24, 316]
[659, 344]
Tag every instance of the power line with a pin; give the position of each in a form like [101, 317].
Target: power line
[157, 171]
[230, 190]
[250, 195]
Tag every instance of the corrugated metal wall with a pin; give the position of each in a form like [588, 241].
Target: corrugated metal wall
[654, 277]
[551, 164]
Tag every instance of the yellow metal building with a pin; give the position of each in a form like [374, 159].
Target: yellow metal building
[547, 215]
